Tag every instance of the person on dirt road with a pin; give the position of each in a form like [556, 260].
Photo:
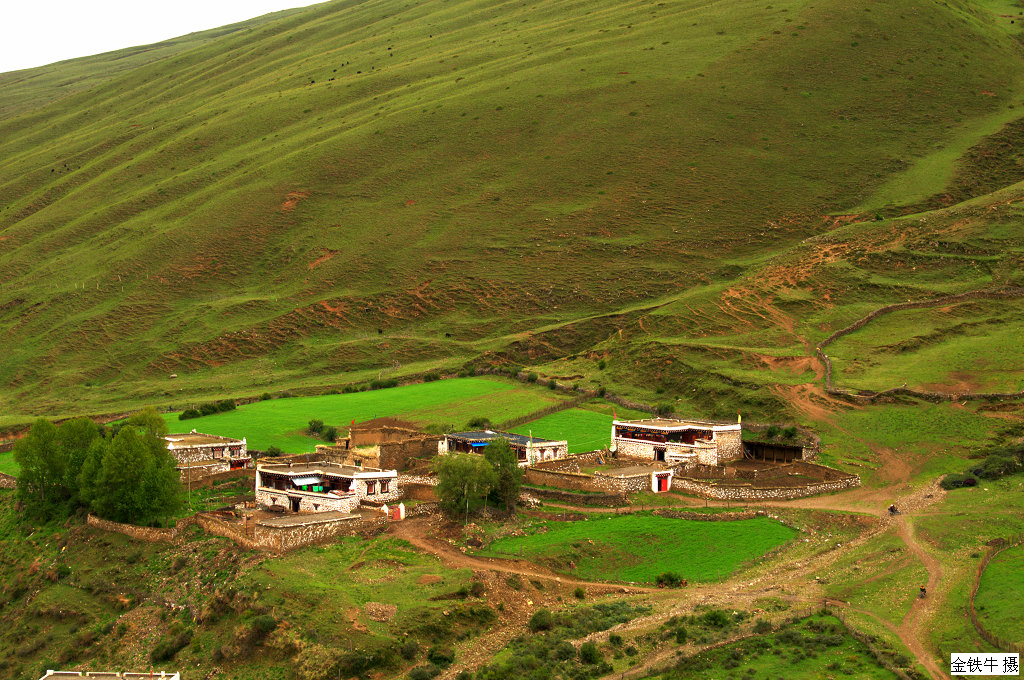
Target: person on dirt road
[893, 510]
[923, 591]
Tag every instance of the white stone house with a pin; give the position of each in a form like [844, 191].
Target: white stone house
[670, 440]
[529, 450]
[209, 452]
[323, 487]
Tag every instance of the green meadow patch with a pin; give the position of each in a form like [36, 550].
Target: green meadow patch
[998, 600]
[638, 547]
[282, 422]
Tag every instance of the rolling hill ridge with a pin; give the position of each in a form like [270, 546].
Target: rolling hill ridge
[362, 187]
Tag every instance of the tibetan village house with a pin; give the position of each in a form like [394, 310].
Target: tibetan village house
[529, 450]
[208, 453]
[662, 439]
[323, 487]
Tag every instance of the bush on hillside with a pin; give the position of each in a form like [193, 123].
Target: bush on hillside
[531, 377]
[954, 481]
[589, 653]
[431, 377]
[669, 579]
[772, 431]
[424, 672]
[541, 620]
[478, 423]
[274, 451]
[265, 396]
[330, 434]
[315, 427]
[383, 384]
[188, 414]
[208, 409]
[226, 405]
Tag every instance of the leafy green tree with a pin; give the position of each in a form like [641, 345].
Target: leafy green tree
[51, 459]
[132, 477]
[463, 482]
[508, 474]
[42, 470]
[76, 438]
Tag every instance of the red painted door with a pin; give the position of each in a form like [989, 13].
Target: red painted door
[662, 483]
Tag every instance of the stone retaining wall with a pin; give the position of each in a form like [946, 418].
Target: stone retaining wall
[259, 537]
[284, 538]
[748, 492]
[8, 482]
[563, 480]
[419, 492]
[605, 500]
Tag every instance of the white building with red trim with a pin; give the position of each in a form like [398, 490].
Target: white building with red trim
[673, 441]
[324, 487]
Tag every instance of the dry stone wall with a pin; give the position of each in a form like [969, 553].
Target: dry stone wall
[8, 482]
[605, 500]
[748, 492]
[284, 538]
[259, 537]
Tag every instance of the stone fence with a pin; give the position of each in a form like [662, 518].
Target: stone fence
[605, 500]
[870, 396]
[270, 538]
[8, 482]
[206, 481]
[750, 492]
[987, 635]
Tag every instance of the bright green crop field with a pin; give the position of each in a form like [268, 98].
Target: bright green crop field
[586, 429]
[281, 422]
[636, 548]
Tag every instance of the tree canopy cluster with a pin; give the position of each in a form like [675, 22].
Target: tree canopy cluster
[125, 473]
[466, 481]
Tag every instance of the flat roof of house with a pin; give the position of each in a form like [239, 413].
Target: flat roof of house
[673, 424]
[295, 469]
[486, 436]
[194, 438]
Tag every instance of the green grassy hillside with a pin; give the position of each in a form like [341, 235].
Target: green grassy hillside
[355, 187]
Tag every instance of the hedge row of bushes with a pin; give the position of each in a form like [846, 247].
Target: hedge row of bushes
[208, 409]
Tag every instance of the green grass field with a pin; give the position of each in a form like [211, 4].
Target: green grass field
[586, 428]
[7, 464]
[281, 422]
[636, 548]
[998, 600]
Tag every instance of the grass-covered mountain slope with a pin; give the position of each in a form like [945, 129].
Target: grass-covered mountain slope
[356, 187]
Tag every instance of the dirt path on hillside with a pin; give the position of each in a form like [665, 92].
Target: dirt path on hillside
[914, 626]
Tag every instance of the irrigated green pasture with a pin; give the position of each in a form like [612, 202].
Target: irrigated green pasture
[585, 430]
[636, 548]
[282, 422]
[998, 602]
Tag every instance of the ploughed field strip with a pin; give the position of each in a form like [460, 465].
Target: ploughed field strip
[637, 548]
